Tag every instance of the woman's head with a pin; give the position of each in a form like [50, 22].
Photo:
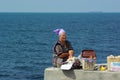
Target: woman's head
[62, 37]
[61, 33]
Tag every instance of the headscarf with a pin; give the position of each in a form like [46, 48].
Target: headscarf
[59, 31]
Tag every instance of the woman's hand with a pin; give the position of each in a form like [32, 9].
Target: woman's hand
[71, 53]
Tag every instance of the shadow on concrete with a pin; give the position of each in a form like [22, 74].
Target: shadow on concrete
[70, 74]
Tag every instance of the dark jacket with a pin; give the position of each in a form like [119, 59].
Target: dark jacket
[59, 48]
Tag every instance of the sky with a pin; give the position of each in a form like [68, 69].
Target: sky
[59, 5]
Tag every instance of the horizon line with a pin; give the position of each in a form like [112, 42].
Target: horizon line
[62, 12]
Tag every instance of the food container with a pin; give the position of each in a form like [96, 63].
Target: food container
[115, 66]
[112, 61]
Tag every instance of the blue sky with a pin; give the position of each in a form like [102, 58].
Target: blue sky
[59, 5]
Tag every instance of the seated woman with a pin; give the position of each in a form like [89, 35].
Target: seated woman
[63, 49]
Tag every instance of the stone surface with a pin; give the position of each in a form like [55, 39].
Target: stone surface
[77, 74]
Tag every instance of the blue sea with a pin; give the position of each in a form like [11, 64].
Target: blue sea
[27, 39]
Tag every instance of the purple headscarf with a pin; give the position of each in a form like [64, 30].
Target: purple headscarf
[59, 31]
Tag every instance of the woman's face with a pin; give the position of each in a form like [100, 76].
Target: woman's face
[62, 37]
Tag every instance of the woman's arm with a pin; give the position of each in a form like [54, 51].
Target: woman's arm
[63, 55]
[60, 53]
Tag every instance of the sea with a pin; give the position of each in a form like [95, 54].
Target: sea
[27, 40]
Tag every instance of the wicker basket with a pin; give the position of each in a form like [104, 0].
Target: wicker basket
[88, 65]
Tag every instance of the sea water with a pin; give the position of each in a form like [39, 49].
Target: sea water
[27, 39]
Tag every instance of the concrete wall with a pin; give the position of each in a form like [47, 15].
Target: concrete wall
[77, 74]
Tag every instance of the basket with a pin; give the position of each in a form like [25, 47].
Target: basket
[87, 64]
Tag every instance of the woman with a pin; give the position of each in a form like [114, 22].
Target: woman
[63, 49]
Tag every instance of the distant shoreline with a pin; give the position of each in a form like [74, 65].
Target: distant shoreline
[62, 12]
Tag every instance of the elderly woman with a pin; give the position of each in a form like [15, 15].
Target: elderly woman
[63, 49]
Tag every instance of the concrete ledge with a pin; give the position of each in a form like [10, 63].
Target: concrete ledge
[77, 74]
